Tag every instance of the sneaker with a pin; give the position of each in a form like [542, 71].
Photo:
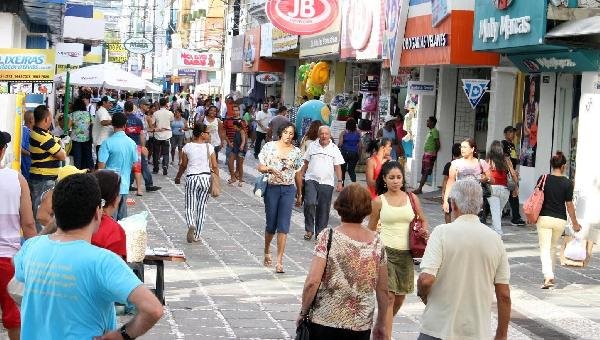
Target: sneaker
[153, 188]
[518, 223]
[164, 171]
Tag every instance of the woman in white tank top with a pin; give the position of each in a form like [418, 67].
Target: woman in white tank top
[215, 128]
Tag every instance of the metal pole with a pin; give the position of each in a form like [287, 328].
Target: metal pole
[67, 98]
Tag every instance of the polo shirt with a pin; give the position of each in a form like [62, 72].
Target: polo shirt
[430, 145]
[134, 128]
[467, 258]
[321, 161]
[118, 153]
[42, 146]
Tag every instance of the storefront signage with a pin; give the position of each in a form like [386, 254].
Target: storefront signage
[251, 50]
[283, 41]
[267, 78]
[237, 53]
[508, 24]
[327, 42]
[26, 64]
[475, 89]
[557, 61]
[426, 41]
[393, 35]
[116, 53]
[266, 40]
[69, 54]
[421, 88]
[362, 29]
[439, 11]
[302, 17]
[139, 45]
[188, 59]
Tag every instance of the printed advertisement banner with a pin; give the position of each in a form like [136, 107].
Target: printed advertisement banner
[266, 40]
[251, 50]
[116, 53]
[424, 88]
[393, 35]
[26, 64]
[531, 113]
[326, 42]
[362, 29]
[188, 59]
[69, 54]
[475, 89]
[237, 53]
[283, 41]
[439, 11]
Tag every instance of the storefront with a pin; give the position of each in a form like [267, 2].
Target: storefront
[437, 55]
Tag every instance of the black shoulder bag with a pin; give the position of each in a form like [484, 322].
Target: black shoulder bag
[303, 330]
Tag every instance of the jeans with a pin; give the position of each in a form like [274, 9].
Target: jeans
[317, 204]
[497, 202]
[549, 229]
[38, 187]
[260, 137]
[279, 201]
[514, 208]
[228, 150]
[160, 149]
[350, 159]
[82, 155]
[121, 212]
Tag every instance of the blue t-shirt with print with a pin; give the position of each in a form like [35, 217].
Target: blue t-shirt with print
[25, 160]
[134, 128]
[118, 153]
[70, 288]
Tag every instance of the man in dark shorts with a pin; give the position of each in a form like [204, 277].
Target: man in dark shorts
[431, 148]
[510, 151]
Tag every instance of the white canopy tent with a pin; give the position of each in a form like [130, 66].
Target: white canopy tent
[109, 76]
[153, 88]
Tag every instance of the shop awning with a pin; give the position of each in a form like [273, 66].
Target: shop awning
[563, 61]
[581, 33]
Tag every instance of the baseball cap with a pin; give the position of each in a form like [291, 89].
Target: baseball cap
[69, 170]
[4, 139]
[509, 128]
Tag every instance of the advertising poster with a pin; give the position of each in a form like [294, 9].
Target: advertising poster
[237, 53]
[26, 64]
[283, 41]
[188, 59]
[362, 29]
[531, 113]
[251, 50]
[326, 42]
[393, 34]
[439, 11]
[116, 53]
[266, 39]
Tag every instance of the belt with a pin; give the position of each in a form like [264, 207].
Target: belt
[202, 173]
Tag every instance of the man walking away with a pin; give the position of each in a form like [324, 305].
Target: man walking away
[162, 134]
[119, 153]
[71, 286]
[431, 148]
[46, 155]
[322, 165]
[16, 219]
[263, 117]
[25, 134]
[102, 127]
[510, 151]
[277, 122]
[463, 261]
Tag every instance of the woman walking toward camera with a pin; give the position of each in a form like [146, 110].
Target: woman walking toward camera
[394, 209]
[198, 160]
[558, 201]
[345, 281]
[281, 160]
[500, 168]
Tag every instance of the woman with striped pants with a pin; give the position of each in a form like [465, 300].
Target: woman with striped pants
[197, 161]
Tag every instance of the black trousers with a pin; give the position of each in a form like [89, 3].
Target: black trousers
[160, 148]
[260, 137]
[328, 333]
[351, 159]
[514, 207]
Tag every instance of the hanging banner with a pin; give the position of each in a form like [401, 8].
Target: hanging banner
[26, 64]
[139, 45]
[531, 113]
[393, 35]
[266, 40]
[439, 11]
[283, 41]
[475, 89]
[116, 53]
[237, 53]
[302, 17]
[251, 50]
[361, 29]
[69, 54]
[188, 59]
[424, 88]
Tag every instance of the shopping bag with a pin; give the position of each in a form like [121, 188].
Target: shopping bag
[136, 236]
[576, 250]
[565, 261]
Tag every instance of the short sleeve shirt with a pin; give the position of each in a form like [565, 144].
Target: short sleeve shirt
[264, 118]
[81, 126]
[163, 119]
[197, 155]
[42, 146]
[134, 128]
[73, 284]
[321, 161]
[430, 145]
[111, 236]
[511, 151]
[119, 153]
[446, 171]
[101, 132]
[557, 191]
[288, 165]
[469, 170]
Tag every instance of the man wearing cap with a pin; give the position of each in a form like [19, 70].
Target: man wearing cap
[119, 153]
[510, 151]
[46, 155]
[102, 126]
[15, 218]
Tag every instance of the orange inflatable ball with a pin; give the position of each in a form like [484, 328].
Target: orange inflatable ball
[319, 75]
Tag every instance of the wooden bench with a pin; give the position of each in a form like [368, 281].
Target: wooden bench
[159, 262]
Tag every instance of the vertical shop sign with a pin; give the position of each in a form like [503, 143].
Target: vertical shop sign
[237, 53]
[439, 11]
[266, 40]
[531, 113]
[283, 41]
[116, 53]
[475, 89]
[395, 25]
[251, 50]
[362, 29]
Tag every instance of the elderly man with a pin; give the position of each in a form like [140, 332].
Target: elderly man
[462, 262]
[71, 286]
[322, 164]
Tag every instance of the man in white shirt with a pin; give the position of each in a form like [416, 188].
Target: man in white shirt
[263, 118]
[462, 262]
[322, 164]
[162, 134]
[102, 128]
[121, 101]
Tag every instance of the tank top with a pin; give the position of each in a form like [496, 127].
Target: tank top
[177, 126]
[213, 130]
[395, 223]
[376, 172]
[10, 219]
[351, 140]
[499, 177]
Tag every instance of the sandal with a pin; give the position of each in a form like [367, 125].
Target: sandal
[231, 180]
[267, 261]
[240, 183]
[548, 284]
[308, 235]
[190, 235]
[279, 269]
[139, 194]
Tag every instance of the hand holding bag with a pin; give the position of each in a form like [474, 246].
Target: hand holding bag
[576, 249]
[260, 185]
[416, 241]
[533, 205]
[303, 329]
[215, 181]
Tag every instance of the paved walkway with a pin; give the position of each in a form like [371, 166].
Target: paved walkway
[223, 290]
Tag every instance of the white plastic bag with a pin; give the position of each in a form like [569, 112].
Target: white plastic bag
[136, 236]
[576, 249]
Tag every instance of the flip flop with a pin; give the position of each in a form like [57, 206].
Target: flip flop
[139, 194]
[308, 236]
[240, 183]
[267, 261]
[279, 269]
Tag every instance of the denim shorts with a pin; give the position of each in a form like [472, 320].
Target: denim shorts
[279, 201]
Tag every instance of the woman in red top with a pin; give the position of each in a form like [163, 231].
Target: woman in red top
[110, 235]
[380, 150]
[500, 168]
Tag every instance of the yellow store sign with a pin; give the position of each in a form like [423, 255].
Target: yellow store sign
[26, 64]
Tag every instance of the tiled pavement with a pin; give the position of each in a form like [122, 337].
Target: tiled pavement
[223, 291]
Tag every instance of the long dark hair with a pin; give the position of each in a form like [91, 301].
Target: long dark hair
[377, 144]
[496, 155]
[388, 166]
[473, 144]
[313, 130]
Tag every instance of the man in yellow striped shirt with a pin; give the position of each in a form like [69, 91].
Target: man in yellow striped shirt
[46, 155]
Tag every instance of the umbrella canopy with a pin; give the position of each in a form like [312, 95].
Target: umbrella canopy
[105, 75]
[153, 88]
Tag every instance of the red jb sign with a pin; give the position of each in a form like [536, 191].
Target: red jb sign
[302, 17]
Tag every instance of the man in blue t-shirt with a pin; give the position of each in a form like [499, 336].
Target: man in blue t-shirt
[71, 286]
[25, 133]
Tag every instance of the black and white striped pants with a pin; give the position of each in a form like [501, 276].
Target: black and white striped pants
[196, 194]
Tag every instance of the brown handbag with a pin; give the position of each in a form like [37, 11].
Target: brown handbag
[416, 242]
[215, 181]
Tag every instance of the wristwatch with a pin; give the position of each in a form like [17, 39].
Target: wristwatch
[124, 334]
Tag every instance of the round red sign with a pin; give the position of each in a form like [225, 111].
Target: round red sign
[302, 17]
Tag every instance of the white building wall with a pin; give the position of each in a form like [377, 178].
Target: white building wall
[13, 34]
[502, 94]
[446, 101]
